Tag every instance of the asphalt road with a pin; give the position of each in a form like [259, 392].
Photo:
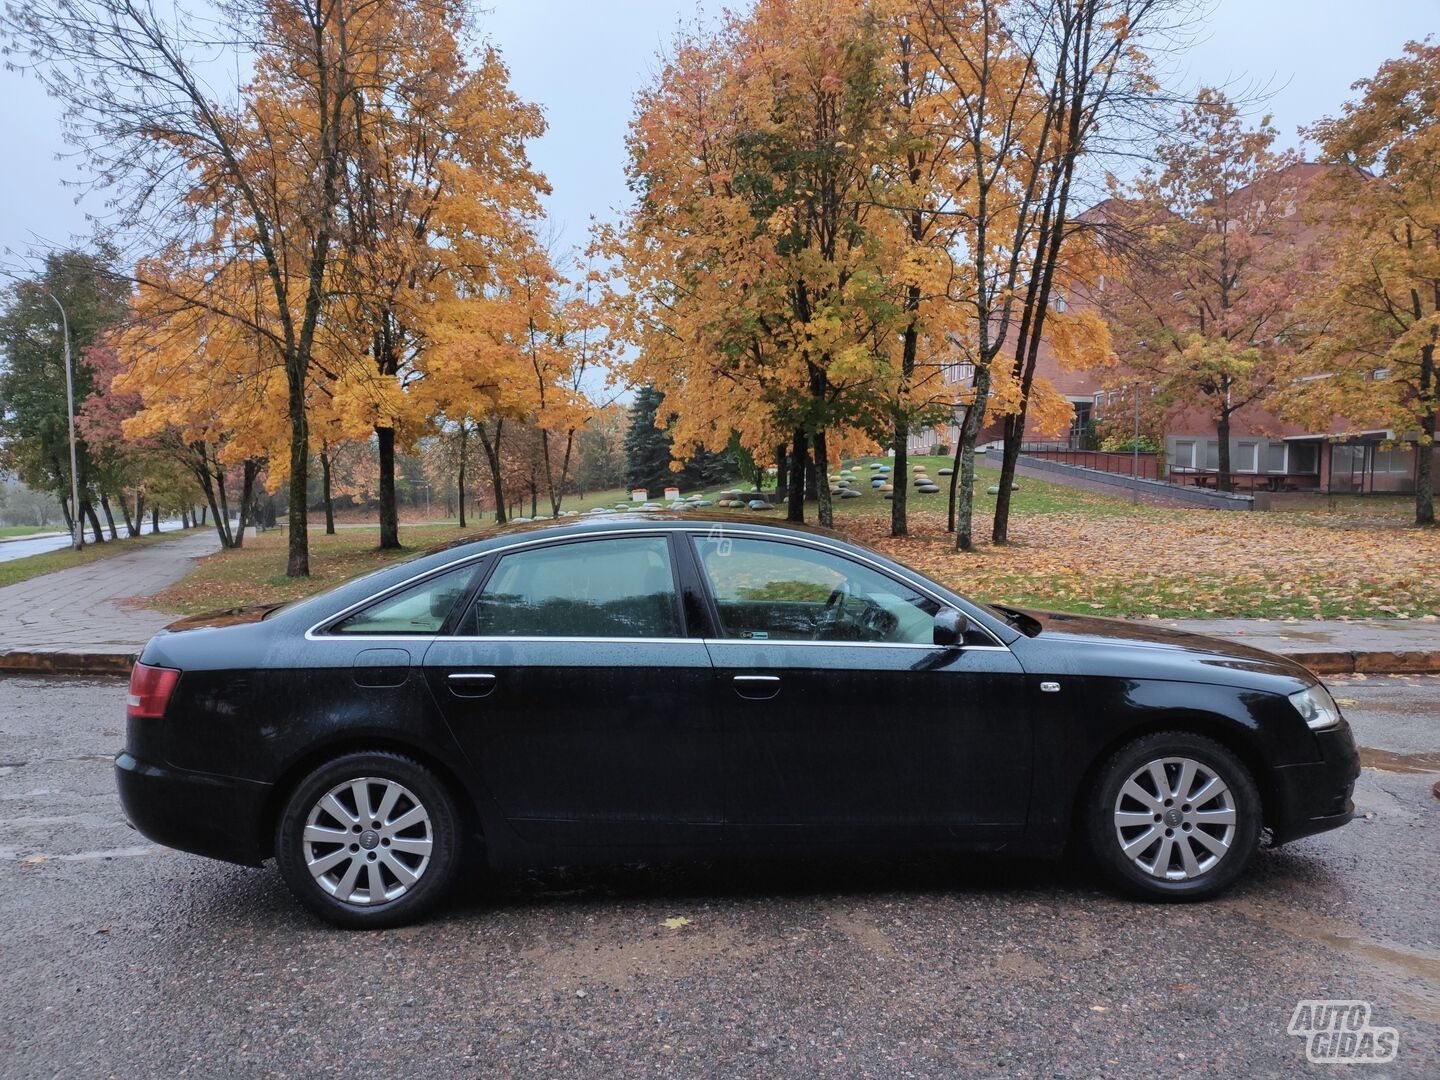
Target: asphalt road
[25, 547]
[120, 958]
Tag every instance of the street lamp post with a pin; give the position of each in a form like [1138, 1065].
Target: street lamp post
[78, 535]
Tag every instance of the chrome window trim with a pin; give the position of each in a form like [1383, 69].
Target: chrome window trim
[761, 642]
[318, 633]
[315, 633]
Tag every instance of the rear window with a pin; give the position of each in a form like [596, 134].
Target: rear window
[420, 609]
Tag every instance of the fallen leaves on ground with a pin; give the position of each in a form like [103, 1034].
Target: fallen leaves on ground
[1185, 563]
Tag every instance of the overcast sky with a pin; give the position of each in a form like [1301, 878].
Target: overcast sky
[582, 60]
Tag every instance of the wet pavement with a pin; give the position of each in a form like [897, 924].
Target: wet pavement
[98, 607]
[121, 958]
[23, 547]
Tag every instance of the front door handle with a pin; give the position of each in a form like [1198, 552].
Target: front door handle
[757, 687]
[471, 683]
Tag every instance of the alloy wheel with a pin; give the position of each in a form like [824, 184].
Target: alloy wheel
[367, 841]
[1175, 818]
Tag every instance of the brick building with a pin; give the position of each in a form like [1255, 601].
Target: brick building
[1352, 455]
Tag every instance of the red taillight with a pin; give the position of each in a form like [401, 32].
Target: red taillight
[150, 690]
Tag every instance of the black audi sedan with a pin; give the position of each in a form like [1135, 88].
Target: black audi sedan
[647, 686]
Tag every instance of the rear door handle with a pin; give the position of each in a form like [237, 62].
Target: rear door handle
[471, 683]
[757, 687]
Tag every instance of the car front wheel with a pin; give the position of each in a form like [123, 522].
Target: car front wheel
[1173, 816]
[368, 840]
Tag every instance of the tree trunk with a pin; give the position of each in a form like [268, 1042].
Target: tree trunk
[389, 513]
[492, 457]
[1425, 452]
[955, 479]
[65, 512]
[1222, 432]
[822, 482]
[1425, 479]
[325, 487]
[782, 473]
[795, 511]
[899, 506]
[154, 520]
[88, 512]
[899, 521]
[185, 517]
[460, 477]
[965, 505]
[208, 487]
[297, 563]
[1009, 462]
[109, 517]
[251, 469]
[130, 525]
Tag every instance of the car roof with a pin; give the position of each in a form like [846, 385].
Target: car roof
[585, 524]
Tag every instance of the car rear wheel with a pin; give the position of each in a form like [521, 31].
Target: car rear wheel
[1173, 816]
[369, 840]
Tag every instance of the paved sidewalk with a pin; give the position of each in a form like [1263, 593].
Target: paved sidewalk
[93, 613]
[1333, 646]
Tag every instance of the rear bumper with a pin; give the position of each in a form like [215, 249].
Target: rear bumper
[1316, 796]
[219, 817]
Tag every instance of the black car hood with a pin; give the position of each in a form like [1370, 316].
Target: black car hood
[1059, 627]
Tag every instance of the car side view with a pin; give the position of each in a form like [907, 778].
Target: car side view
[671, 686]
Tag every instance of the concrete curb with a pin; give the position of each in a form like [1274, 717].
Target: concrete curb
[1368, 663]
[1321, 663]
[58, 663]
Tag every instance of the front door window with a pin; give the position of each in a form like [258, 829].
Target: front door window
[770, 591]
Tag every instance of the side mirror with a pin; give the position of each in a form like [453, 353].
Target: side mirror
[950, 628]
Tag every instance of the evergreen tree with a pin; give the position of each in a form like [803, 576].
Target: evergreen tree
[647, 448]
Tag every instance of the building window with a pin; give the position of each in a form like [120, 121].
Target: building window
[1397, 459]
[1246, 457]
[1184, 456]
[1275, 458]
[1303, 459]
[1212, 454]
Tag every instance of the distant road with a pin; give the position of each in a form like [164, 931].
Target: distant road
[38, 545]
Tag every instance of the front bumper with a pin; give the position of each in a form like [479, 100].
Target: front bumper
[1316, 796]
[219, 817]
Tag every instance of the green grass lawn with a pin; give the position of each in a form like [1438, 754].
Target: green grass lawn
[9, 532]
[48, 562]
[255, 572]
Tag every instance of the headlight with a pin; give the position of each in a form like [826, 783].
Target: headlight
[1316, 707]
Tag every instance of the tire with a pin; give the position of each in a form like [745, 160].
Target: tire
[1219, 827]
[408, 864]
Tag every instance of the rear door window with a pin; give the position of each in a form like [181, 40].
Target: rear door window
[613, 588]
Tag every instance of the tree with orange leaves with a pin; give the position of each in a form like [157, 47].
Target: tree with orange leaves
[756, 258]
[1204, 309]
[436, 182]
[1374, 311]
